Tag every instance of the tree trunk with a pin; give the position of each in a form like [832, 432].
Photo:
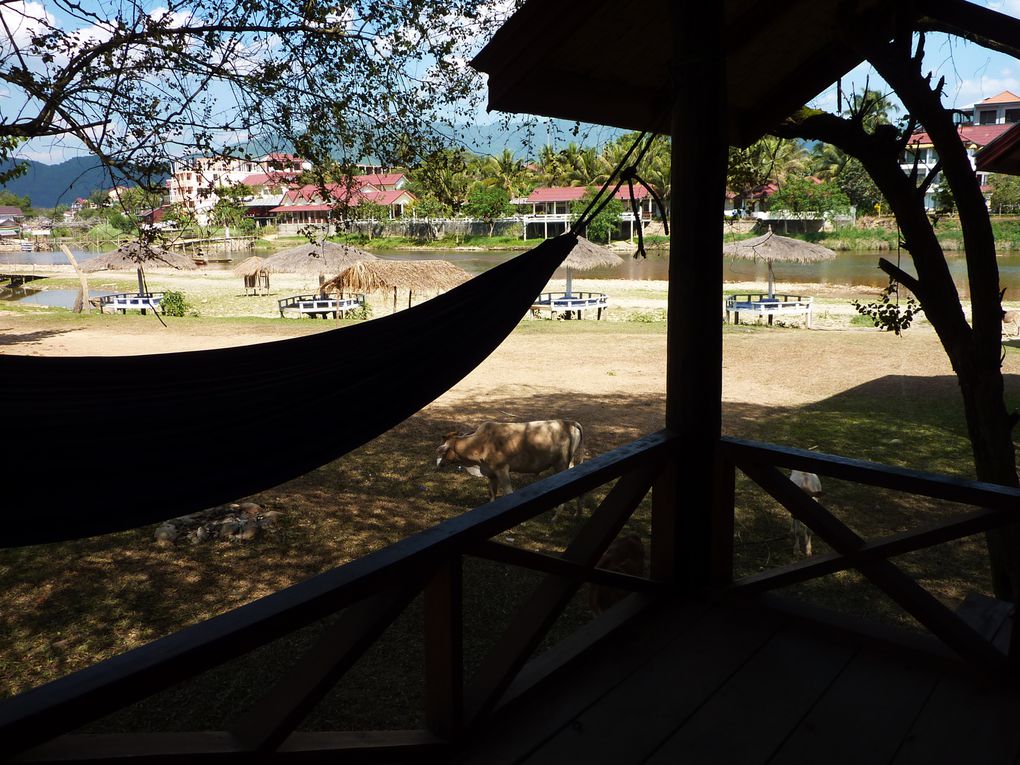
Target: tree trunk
[974, 350]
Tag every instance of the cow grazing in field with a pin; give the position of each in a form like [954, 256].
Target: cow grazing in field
[627, 555]
[811, 485]
[497, 449]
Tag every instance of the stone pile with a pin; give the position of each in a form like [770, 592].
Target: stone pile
[227, 523]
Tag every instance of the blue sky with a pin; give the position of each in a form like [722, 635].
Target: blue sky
[972, 73]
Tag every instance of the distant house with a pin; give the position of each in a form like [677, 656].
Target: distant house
[308, 205]
[10, 216]
[550, 208]
[983, 123]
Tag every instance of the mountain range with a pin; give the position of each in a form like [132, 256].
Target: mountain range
[60, 184]
[52, 185]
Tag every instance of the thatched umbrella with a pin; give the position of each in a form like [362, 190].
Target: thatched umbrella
[137, 255]
[254, 271]
[772, 247]
[327, 258]
[587, 256]
[412, 275]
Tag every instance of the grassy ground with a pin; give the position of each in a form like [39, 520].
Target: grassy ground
[885, 399]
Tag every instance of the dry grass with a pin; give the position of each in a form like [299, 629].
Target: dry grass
[67, 606]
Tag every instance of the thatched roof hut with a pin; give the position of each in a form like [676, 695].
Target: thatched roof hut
[415, 276]
[255, 274]
[327, 258]
[138, 255]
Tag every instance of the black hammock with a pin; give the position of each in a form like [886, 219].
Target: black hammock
[102, 444]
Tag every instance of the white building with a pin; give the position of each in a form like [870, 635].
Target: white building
[194, 181]
[982, 123]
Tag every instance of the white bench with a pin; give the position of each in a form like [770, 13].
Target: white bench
[126, 301]
[317, 306]
[561, 302]
[768, 306]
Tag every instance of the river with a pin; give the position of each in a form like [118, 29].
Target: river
[854, 268]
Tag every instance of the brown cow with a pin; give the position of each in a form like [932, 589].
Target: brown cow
[496, 449]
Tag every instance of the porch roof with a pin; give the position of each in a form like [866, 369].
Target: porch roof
[779, 55]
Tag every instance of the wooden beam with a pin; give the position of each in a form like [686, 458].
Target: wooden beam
[886, 547]
[444, 650]
[694, 348]
[910, 596]
[917, 482]
[275, 716]
[219, 746]
[555, 564]
[537, 614]
[68, 703]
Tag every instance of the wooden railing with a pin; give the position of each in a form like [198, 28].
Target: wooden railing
[370, 592]
[999, 506]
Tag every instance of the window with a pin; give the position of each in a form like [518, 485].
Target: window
[987, 118]
[1012, 115]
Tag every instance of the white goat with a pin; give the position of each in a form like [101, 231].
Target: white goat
[811, 485]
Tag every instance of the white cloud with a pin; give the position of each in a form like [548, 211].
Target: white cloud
[24, 19]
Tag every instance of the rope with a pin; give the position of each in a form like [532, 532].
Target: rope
[597, 203]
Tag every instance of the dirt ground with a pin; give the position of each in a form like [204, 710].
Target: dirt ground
[777, 366]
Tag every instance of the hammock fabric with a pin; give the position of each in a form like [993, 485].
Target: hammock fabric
[259, 406]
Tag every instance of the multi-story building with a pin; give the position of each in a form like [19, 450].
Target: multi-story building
[980, 125]
[194, 181]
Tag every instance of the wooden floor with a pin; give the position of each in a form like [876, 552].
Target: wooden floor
[750, 684]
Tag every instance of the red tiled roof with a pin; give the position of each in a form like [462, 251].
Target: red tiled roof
[1003, 97]
[262, 179]
[979, 135]
[379, 179]
[300, 208]
[9, 210]
[572, 193]
[384, 197]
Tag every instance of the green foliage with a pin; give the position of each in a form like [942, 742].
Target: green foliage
[174, 304]
[768, 160]
[488, 203]
[800, 194]
[353, 79]
[13, 200]
[105, 232]
[603, 226]
[442, 176]
[887, 314]
[120, 221]
[369, 210]
[854, 181]
[428, 206]
[1005, 193]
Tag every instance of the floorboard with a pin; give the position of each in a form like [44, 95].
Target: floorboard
[748, 718]
[749, 684]
[524, 727]
[963, 722]
[865, 714]
[670, 687]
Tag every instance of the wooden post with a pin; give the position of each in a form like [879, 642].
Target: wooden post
[444, 652]
[85, 305]
[688, 512]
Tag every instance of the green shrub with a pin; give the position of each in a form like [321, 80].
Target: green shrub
[174, 304]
